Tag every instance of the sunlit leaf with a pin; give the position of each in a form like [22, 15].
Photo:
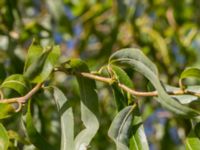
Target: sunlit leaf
[4, 140]
[125, 127]
[16, 82]
[190, 73]
[184, 98]
[6, 110]
[193, 88]
[192, 142]
[67, 120]
[135, 59]
[138, 141]
[36, 139]
[120, 128]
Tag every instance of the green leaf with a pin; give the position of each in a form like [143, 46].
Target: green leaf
[89, 104]
[16, 82]
[39, 66]
[6, 110]
[4, 140]
[192, 142]
[135, 59]
[193, 88]
[34, 51]
[190, 73]
[120, 128]
[138, 141]
[185, 98]
[67, 120]
[122, 98]
[127, 126]
[36, 139]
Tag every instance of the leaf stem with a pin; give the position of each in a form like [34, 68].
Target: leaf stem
[132, 91]
[23, 99]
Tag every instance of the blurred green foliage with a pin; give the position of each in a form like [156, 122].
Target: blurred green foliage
[166, 30]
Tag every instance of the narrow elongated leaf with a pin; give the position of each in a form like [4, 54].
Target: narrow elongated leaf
[67, 120]
[6, 110]
[135, 59]
[89, 105]
[190, 73]
[16, 82]
[127, 131]
[120, 128]
[38, 68]
[137, 137]
[138, 140]
[122, 98]
[36, 139]
[4, 140]
[34, 51]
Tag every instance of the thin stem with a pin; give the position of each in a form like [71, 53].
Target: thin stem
[137, 93]
[23, 99]
[98, 78]
[132, 91]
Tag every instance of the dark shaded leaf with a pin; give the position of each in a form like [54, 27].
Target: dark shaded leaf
[197, 129]
[36, 139]
[89, 104]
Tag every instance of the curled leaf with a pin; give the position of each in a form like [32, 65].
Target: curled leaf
[135, 59]
[189, 73]
[16, 82]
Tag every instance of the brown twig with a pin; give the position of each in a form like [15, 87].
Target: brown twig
[134, 92]
[23, 99]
